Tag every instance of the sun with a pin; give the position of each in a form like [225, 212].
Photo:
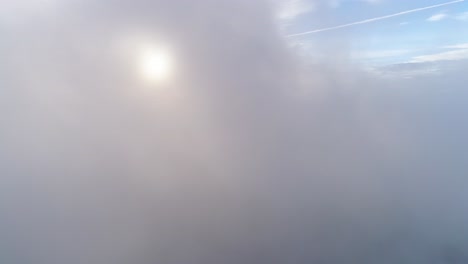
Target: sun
[155, 65]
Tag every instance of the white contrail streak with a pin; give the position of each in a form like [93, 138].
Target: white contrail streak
[374, 19]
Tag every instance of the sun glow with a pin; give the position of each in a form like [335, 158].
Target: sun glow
[156, 65]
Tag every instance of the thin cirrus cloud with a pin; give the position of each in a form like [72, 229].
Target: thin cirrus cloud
[371, 20]
[457, 53]
[437, 17]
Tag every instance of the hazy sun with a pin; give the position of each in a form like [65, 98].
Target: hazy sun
[155, 64]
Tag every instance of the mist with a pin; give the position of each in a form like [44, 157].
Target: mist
[251, 153]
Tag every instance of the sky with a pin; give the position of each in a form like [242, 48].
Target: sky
[420, 31]
[214, 131]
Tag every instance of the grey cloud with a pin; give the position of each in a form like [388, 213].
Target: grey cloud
[247, 156]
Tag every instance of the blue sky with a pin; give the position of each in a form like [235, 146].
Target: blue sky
[436, 34]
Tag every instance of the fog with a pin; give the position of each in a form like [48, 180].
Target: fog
[250, 153]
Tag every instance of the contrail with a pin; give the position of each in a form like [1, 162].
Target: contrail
[373, 19]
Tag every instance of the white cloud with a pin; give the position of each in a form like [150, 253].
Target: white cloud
[441, 16]
[437, 17]
[290, 9]
[458, 46]
[453, 55]
[249, 156]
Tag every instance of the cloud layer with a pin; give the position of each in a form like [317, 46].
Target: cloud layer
[249, 155]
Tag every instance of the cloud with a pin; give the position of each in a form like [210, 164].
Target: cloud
[371, 20]
[290, 9]
[423, 65]
[457, 46]
[437, 17]
[460, 53]
[406, 70]
[249, 155]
